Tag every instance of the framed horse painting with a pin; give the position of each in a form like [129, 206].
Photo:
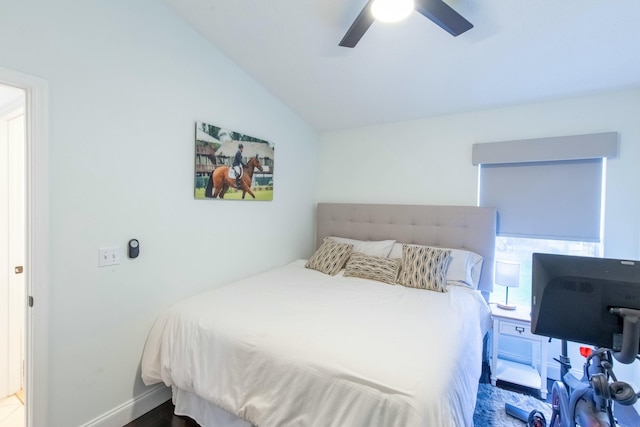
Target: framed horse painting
[231, 165]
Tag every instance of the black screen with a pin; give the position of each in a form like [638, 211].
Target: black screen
[571, 297]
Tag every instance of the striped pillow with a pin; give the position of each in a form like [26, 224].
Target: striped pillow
[330, 257]
[424, 267]
[372, 267]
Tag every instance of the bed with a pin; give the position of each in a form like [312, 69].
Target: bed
[301, 346]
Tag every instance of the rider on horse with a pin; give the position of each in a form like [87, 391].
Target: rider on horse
[238, 164]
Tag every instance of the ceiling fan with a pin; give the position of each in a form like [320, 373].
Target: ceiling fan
[436, 10]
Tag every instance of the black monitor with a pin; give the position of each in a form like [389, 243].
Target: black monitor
[571, 299]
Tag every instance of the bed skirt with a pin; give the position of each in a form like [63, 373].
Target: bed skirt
[204, 413]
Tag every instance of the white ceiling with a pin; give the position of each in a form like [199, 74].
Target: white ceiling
[517, 52]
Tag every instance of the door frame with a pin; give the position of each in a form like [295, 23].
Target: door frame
[37, 242]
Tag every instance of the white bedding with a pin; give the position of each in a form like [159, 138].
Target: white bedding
[295, 347]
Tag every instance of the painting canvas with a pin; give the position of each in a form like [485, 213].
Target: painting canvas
[231, 166]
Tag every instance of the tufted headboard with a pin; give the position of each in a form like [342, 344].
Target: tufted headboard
[462, 227]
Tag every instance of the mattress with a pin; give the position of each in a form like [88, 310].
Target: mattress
[295, 347]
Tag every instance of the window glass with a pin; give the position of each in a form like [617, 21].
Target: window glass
[517, 249]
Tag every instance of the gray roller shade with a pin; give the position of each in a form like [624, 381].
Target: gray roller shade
[552, 200]
[548, 187]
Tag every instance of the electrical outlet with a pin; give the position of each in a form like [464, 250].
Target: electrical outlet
[108, 256]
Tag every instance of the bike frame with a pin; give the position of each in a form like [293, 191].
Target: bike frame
[583, 406]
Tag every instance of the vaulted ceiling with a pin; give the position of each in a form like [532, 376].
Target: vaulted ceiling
[517, 52]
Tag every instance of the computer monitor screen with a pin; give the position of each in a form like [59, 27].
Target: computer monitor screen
[572, 295]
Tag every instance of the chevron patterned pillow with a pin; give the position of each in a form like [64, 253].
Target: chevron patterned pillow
[330, 257]
[424, 267]
[372, 267]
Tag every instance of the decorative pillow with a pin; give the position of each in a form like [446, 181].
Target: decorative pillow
[379, 248]
[464, 267]
[330, 257]
[424, 267]
[372, 267]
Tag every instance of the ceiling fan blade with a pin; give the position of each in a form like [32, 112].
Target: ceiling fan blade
[444, 16]
[359, 27]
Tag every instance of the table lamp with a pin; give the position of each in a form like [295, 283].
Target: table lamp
[507, 275]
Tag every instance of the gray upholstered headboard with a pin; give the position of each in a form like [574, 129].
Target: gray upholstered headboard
[463, 227]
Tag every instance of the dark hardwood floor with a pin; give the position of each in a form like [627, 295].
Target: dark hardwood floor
[162, 416]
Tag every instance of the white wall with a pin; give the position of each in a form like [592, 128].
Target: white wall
[429, 161]
[127, 82]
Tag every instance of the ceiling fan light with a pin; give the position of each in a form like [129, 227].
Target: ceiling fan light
[391, 10]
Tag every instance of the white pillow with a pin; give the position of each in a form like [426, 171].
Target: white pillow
[396, 251]
[374, 248]
[464, 267]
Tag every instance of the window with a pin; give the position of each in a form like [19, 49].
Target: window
[518, 249]
[549, 194]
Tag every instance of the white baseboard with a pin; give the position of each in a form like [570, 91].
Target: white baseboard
[134, 408]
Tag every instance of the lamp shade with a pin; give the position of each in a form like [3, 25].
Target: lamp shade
[508, 274]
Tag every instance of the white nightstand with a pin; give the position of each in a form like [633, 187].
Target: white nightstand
[517, 323]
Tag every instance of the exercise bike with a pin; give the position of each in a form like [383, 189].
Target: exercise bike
[588, 402]
[595, 301]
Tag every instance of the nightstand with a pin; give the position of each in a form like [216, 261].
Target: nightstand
[517, 324]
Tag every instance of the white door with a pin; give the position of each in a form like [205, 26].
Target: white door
[12, 251]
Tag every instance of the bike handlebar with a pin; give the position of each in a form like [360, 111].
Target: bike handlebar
[630, 334]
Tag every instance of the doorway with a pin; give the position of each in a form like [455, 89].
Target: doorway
[13, 293]
[36, 267]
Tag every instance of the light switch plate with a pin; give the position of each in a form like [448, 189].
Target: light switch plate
[108, 256]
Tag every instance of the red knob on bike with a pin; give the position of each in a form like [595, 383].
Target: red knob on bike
[585, 351]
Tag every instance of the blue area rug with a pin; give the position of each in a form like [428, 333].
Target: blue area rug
[490, 410]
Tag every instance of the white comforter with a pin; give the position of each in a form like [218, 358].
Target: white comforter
[295, 347]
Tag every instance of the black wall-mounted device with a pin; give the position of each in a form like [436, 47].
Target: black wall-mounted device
[134, 248]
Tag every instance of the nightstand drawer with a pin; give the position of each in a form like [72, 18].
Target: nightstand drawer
[517, 330]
